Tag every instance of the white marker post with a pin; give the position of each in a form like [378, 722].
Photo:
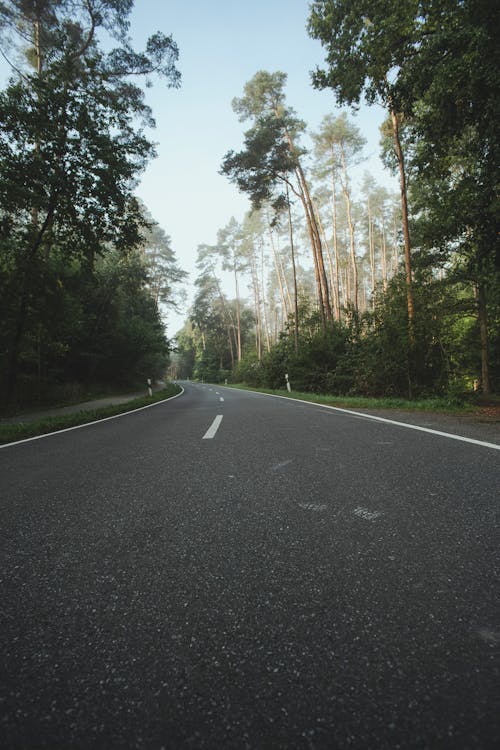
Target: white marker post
[150, 390]
[288, 386]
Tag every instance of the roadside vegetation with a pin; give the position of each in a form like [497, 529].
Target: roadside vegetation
[443, 405]
[86, 274]
[12, 431]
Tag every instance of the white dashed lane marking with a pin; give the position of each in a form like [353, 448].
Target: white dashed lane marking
[366, 514]
[212, 430]
[313, 506]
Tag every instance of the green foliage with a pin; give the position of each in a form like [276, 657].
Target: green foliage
[12, 431]
[370, 355]
[264, 163]
[164, 276]
[249, 370]
[262, 168]
[363, 402]
[75, 299]
[97, 325]
[435, 68]
[364, 43]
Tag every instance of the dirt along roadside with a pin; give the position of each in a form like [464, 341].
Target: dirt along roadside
[482, 424]
[58, 411]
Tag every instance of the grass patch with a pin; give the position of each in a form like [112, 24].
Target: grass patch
[10, 432]
[445, 405]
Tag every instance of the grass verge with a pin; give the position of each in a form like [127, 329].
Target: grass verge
[10, 432]
[443, 405]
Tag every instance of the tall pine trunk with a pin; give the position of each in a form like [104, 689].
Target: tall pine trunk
[294, 272]
[350, 223]
[238, 314]
[314, 235]
[406, 229]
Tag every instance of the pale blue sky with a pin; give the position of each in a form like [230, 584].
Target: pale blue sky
[222, 44]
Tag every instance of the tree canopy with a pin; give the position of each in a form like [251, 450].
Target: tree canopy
[71, 148]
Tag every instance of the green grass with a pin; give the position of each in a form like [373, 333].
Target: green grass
[10, 432]
[362, 402]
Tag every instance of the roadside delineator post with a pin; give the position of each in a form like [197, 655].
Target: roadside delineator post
[150, 390]
[288, 386]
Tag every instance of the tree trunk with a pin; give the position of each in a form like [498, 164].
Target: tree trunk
[347, 283]
[332, 269]
[279, 258]
[238, 314]
[278, 268]
[371, 247]
[256, 294]
[347, 198]
[330, 263]
[483, 330]
[316, 237]
[317, 274]
[38, 65]
[324, 295]
[384, 255]
[395, 256]
[294, 272]
[336, 248]
[228, 319]
[406, 229]
[264, 303]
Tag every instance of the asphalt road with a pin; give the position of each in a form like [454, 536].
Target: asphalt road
[294, 578]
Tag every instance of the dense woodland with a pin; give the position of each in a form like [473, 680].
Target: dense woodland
[84, 269]
[353, 290]
[334, 280]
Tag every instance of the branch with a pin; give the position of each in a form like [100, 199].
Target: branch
[12, 65]
[90, 37]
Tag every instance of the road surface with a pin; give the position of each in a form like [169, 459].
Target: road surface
[230, 570]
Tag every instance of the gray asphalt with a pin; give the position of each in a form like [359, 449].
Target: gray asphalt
[305, 579]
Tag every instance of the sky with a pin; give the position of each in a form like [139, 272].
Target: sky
[222, 44]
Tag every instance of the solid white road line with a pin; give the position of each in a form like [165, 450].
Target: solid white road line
[212, 430]
[448, 435]
[96, 421]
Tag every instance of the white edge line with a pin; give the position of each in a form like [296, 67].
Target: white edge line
[96, 421]
[212, 430]
[450, 435]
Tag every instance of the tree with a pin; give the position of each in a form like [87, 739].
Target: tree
[366, 48]
[339, 143]
[163, 272]
[229, 246]
[450, 94]
[270, 157]
[210, 287]
[70, 149]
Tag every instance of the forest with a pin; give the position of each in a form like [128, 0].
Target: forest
[85, 271]
[335, 281]
[361, 291]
